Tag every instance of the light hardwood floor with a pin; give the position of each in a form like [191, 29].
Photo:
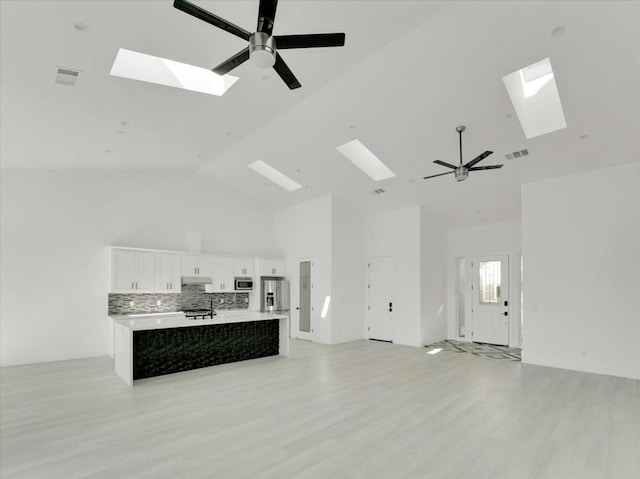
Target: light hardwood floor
[358, 410]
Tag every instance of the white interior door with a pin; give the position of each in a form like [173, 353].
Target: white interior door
[380, 298]
[304, 311]
[490, 310]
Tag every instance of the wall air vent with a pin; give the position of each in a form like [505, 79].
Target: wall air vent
[516, 154]
[66, 76]
[377, 191]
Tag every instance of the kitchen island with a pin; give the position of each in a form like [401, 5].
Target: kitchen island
[153, 345]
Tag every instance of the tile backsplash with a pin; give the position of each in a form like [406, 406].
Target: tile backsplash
[192, 296]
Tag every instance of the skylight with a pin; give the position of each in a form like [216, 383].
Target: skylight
[360, 156]
[143, 67]
[274, 175]
[534, 95]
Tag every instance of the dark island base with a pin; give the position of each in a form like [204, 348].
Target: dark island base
[165, 351]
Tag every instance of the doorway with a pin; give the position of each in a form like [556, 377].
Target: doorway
[490, 309]
[305, 308]
[380, 298]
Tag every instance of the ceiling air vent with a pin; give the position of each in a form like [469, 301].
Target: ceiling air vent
[66, 76]
[377, 191]
[516, 154]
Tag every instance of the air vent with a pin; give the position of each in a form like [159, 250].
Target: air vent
[66, 76]
[377, 191]
[516, 154]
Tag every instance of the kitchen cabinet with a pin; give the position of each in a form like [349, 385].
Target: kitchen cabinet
[196, 265]
[243, 267]
[168, 273]
[133, 271]
[222, 269]
[271, 267]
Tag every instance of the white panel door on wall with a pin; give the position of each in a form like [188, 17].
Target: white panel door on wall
[490, 310]
[380, 298]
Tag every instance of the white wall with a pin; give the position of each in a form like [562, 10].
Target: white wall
[397, 233]
[54, 262]
[433, 258]
[581, 246]
[303, 231]
[347, 273]
[492, 239]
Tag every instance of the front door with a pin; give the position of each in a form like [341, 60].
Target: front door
[490, 311]
[380, 300]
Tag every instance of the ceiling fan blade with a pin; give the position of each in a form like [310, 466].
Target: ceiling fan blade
[441, 174]
[266, 16]
[490, 167]
[231, 63]
[287, 75]
[314, 40]
[478, 159]
[448, 165]
[209, 17]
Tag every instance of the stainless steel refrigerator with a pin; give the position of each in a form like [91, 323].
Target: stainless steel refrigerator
[274, 295]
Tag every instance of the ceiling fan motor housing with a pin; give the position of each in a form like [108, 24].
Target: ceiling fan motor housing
[262, 49]
[461, 173]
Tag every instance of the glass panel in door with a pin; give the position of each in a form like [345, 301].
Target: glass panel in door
[305, 296]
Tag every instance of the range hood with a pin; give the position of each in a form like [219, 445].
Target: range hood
[196, 280]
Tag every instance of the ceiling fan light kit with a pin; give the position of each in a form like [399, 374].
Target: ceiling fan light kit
[461, 171]
[263, 46]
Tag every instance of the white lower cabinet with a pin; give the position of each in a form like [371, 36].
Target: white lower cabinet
[132, 271]
[222, 275]
[168, 273]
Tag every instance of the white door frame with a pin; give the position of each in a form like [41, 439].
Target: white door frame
[368, 313]
[308, 336]
[500, 333]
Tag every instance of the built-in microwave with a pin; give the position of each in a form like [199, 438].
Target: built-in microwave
[244, 284]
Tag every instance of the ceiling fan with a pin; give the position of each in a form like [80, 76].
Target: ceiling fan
[263, 46]
[462, 171]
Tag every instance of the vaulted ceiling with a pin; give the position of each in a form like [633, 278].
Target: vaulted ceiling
[410, 72]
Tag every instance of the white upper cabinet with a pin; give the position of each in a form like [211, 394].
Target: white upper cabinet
[271, 267]
[243, 267]
[132, 271]
[222, 276]
[168, 273]
[196, 265]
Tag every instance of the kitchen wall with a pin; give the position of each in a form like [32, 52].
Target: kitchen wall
[56, 227]
[303, 232]
[192, 296]
[581, 247]
[347, 272]
[491, 239]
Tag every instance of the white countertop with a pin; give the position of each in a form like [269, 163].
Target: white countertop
[178, 320]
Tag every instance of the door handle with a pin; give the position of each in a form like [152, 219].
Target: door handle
[298, 308]
[506, 313]
[391, 307]
[506, 303]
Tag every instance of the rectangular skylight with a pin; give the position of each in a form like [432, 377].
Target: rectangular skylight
[534, 94]
[143, 67]
[274, 175]
[360, 156]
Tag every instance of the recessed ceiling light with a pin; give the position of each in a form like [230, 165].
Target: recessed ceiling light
[270, 173]
[508, 115]
[229, 133]
[139, 66]
[352, 127]
[558, 31]
[584, 137]
[80, 26]
[107, 151]
[124, 122]
[534, 95]
[360, 156]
